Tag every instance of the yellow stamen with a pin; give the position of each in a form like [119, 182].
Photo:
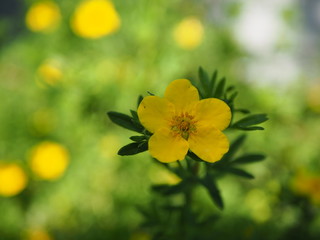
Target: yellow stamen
[183, 124]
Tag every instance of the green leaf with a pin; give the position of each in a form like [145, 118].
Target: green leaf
[209, 183]
[233, 96]
[251, 120]
[138, 138]
[140, 98]
[220, 88]
[133, 148]
[204, 80]
[194, 156]
[125, 121]
[249, 158]
[134, 114]
[213, 83]
[244, 111]
[167, 189]
[248, 128]
[230, 88]
[239, 172]
[234, 147]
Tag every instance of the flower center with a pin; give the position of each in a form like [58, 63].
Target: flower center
[183, 124]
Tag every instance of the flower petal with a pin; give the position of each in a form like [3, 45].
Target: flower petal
[213, 112]
[167, 146]
[209, 144]
[182, 94]
[155, 113]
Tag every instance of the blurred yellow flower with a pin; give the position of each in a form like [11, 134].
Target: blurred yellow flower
[49, 160]
[308, 185]
[160, 175]
[180, 121]
[95, 18]
[50, 73]
[38, 235]
[188, 34]
[12, 179]
[43, 16]
[258, 203]
[313, 97]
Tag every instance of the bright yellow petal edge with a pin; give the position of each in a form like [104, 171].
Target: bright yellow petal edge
[180, 121]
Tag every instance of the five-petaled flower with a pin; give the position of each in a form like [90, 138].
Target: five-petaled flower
[180, 121]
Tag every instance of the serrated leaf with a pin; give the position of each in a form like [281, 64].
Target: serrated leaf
[133, 148]
[209, 183]
[251, 120]
[220, 88]
[125, 121]
[249, 158]
[137, 138]
[239, 172]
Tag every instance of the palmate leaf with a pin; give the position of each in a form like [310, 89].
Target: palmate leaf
[125, 121]
[133, 148]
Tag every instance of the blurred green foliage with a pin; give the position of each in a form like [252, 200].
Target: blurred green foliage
[96, 198]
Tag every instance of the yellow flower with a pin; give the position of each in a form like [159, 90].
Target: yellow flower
[38, 235]
[307, 184]
[95, 18]
[43, 16]
[12, 179]
[49, 160]
[188, 34]
[50, 73]
[180, 121]
[313, 97]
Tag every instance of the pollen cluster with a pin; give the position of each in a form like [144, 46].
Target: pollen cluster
[183, 124]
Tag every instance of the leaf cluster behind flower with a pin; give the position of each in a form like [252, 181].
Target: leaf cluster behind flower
[194, 171]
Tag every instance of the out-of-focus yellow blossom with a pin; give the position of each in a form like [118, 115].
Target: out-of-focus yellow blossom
[160, 175]
[49, 160]
[181, 121]
[38, 235]
[12, 179]
[188, 34]
[258, 204]
[50, 72]
[313, 98]
[308, 185]
[43, 16]
[95, 18]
